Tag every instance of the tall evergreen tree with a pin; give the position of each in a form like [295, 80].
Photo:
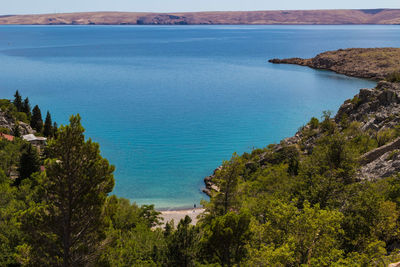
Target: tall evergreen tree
[16, 132]
[36, 120]
[48, 126]
[28, 164]
[67, 228]
[26, 107]
[226, 238]
[227, 179]
[182, 247]
[55, 129]
[17, 101]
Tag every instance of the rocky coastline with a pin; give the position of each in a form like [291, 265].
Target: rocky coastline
[369, 63]
[375, 110]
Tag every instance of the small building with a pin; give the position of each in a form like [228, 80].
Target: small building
[7, 137]
[37, 141]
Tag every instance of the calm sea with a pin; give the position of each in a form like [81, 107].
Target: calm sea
[167, 104]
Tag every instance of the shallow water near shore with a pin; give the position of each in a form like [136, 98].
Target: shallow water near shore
[168, 103]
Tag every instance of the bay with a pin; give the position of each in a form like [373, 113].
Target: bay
[168, 103]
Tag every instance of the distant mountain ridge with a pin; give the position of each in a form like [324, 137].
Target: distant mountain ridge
[289, 17]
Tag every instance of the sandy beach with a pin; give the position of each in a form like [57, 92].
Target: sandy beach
[177, 215]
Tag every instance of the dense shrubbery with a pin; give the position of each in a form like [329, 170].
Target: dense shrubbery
[274, 207]
[320, 215]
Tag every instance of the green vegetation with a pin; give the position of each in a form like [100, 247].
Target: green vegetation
[75, 186]
[21, 111]
[48, 126]
[314, 123]
[393, 77]
[36, 120]
[284, 205]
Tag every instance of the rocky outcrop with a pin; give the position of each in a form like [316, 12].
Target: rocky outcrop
[210, 185]
[375, 109]
[371, 63]
[397, 264]
[8, 122]
[386, 165]
[379, 152]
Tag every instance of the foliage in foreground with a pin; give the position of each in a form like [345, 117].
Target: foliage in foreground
[274, 207]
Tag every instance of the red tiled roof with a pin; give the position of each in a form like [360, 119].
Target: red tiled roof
[7, 136]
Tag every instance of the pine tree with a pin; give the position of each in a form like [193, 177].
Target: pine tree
[55, 129]
[28, 164]
[182, 247]
[227, 179]
[48, 127]
[68, 225]
[36, 120]
[18, 101]
[26, 107]
[16, 131]
[226, 238]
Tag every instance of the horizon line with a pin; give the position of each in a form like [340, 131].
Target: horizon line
[204, 11]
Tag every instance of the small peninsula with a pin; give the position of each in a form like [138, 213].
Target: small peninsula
[370, 63]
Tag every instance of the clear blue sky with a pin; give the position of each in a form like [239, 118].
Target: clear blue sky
[52, 6]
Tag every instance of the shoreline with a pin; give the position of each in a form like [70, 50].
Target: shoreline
[178, 208]
[177, 215]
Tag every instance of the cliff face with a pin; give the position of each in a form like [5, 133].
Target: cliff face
[376, 110]
[361, 16]
[371, 63]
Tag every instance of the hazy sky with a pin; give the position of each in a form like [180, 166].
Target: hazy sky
[52, 6]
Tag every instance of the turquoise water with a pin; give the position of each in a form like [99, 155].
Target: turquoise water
[167, 104]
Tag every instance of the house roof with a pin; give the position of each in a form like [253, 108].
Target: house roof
[7, 136]
[32, 137]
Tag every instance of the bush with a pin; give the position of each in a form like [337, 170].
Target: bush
[21, 116]
[314, 123]
[4, 130]
[393, 154]
[385, 136]
[4, 103]
[356, 101]
[393, 77]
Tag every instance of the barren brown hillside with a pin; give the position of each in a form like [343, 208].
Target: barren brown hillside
[372, 63]
[370, 16]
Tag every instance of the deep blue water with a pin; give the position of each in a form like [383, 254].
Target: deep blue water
[167, 104]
